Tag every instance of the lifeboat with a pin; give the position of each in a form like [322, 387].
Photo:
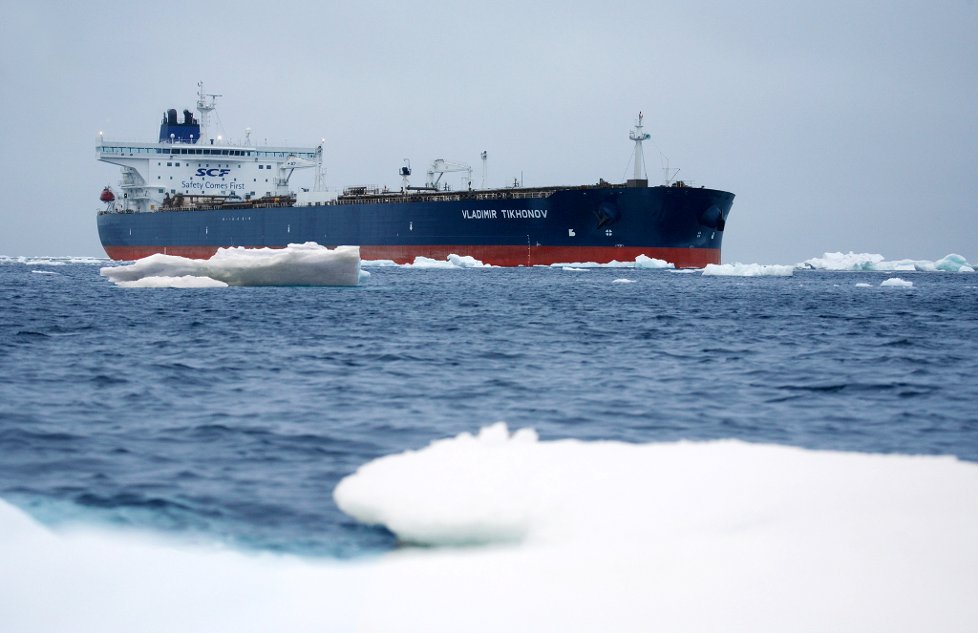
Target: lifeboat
[107, 195]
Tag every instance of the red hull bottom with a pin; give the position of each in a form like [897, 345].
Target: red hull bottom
[495, 255]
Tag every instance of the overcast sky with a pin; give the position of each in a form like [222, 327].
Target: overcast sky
[839, 125]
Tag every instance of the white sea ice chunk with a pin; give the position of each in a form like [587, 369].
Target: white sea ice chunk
[643, 261]
[469, 487]
[306, 264]
[896, 282]
[688, 536]
[954, 263]
[452, 261]
[623, 281]
[748, 270]
[844, 261]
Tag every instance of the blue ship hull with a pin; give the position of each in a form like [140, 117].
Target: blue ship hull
[515, 227]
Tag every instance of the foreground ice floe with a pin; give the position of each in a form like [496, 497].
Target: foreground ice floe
[576, 536]
[306, 264]
[748, 270]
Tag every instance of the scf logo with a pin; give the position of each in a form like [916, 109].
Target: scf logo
[213, 172]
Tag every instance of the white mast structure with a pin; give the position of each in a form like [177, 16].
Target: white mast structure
[319, 185]
[638, 135]
[206, 103]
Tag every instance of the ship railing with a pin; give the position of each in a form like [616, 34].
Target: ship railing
[355, 195]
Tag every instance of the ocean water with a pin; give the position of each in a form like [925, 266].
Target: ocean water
[229, 415]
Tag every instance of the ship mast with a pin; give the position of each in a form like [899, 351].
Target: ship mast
[638, 135]
[206, 103]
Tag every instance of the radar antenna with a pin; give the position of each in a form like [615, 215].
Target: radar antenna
[405, 173]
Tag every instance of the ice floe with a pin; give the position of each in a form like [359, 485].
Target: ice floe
[577, 536]
[306, 264]
[876, 262]
[748, 270]
[452, 261]
[641, 261]
[896, 282]
[623, 281]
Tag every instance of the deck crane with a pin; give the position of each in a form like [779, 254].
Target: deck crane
[441, 167]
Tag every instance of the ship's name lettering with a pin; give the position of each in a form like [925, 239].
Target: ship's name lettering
[215, 173]
[504, 214]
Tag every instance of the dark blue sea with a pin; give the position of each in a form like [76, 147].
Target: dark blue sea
[230, 414]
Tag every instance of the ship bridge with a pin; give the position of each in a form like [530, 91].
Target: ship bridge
[188, 165]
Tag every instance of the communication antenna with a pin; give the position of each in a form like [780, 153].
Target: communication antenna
[485, 160]
[206, 103]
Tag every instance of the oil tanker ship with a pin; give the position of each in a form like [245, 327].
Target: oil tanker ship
[192, 192]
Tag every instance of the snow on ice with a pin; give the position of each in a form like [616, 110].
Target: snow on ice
[561, 535]
[306, 264]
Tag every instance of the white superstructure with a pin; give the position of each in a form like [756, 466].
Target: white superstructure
[189, 168]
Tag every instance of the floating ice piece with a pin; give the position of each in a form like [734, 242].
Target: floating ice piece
[840, 261]
[954, 263]
[306, 264]
[623, 281]
[574, 270]
[44, 272]
[896, 282]
[863, 262]
[863, 285]
[650, 262]
[748, 270]
[452, 261]
[641, 261]
[876, 262]
[377, 262]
